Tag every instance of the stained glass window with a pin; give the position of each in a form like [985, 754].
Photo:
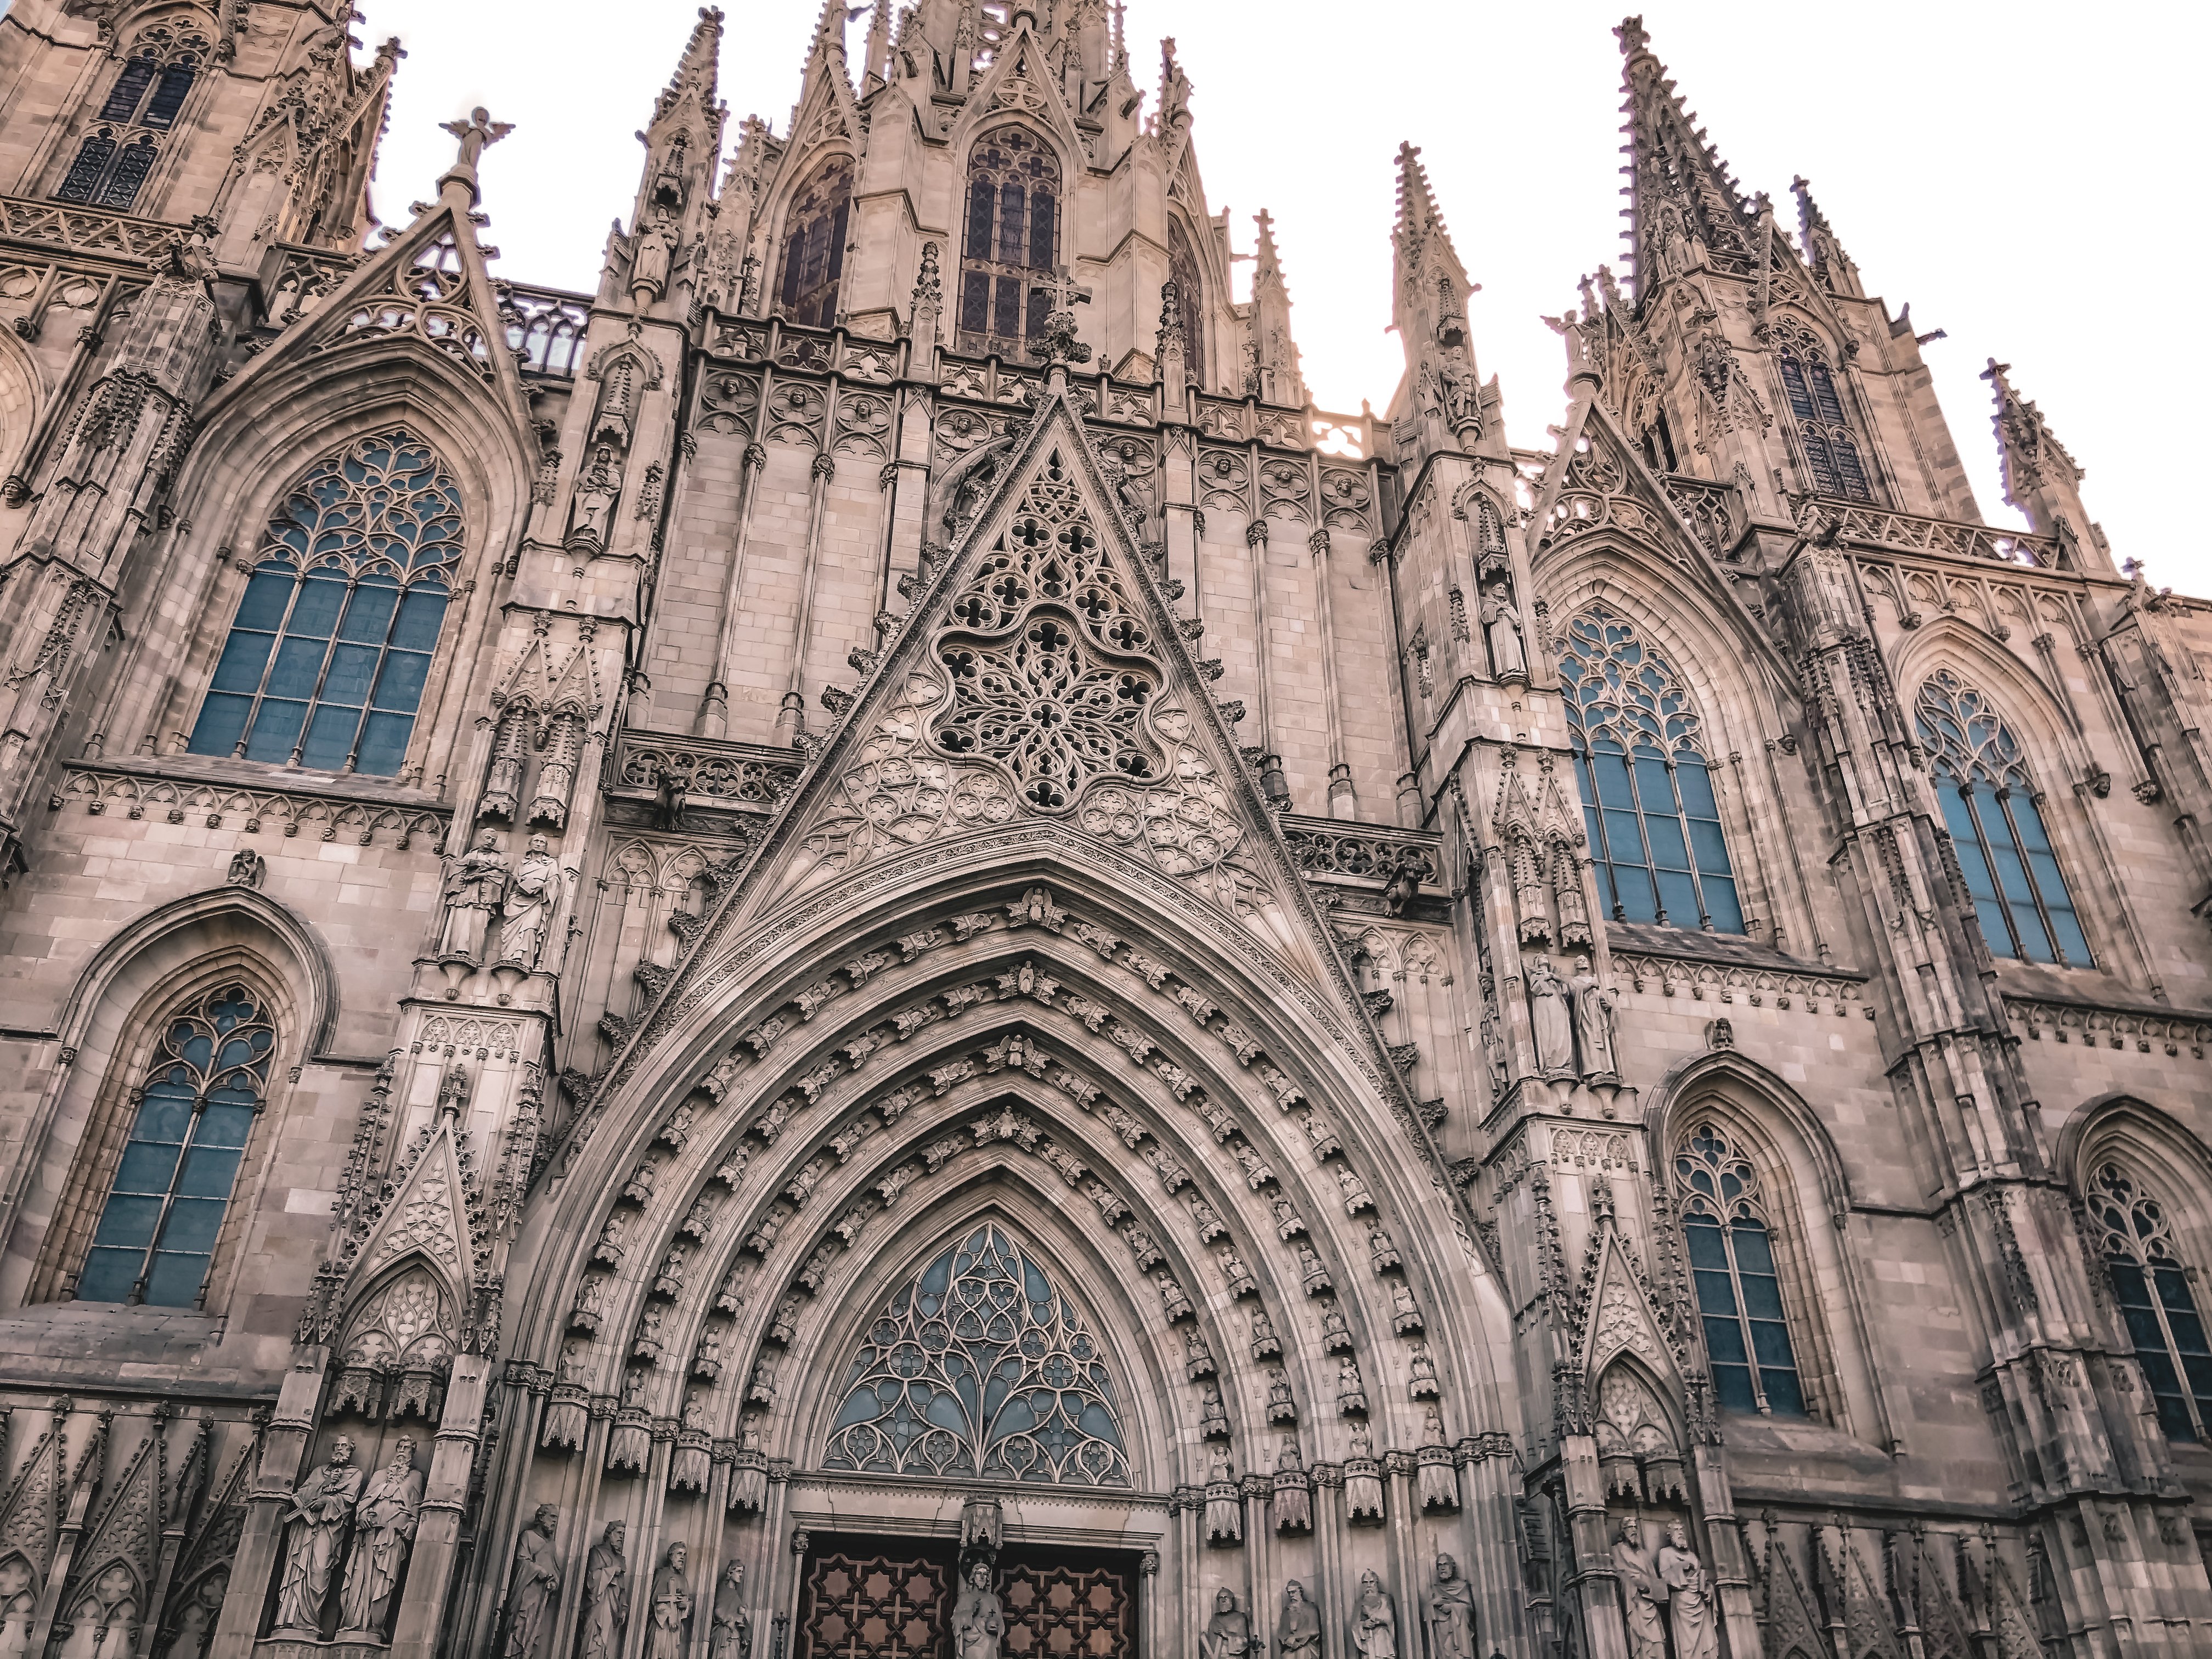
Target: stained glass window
[1013, 242]
[1832, 450]
[328, 652]
[981, 1367]
[1990, 808]
[814, 245]
[1647, 788]
[156, 1235]
[2152, 1287]
[1732, 1261]
[111, 165]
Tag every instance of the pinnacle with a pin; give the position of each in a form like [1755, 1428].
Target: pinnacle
[1417, 204]
[698, 69]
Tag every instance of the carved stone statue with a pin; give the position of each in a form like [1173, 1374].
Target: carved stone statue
[314, 1537]
[476, 888]
[1642, 1593]
[607, 1597]
[383, 1532]
[1451, 1613]
[672, 1607]
[1501, 630]
[534, 1587]
[1593, 1005]
[1551, 1022]
[1228, 1634]
[649, 263]
[1689, 1597]
[1298, 1628]
[979, 1621]
[529, 904]
[1374, 1620]
[597, 492]
[476, 134]
[732, 1631]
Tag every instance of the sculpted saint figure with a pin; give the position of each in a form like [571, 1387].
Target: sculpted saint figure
[1552, 1023]
[1593, 1022]
[978, 1619]
[473, 891]
[730, 1631]
[1690, 1597]
[314, 1537]
[383, 1530]
[1374, 1620]
[1451, 1613]
[595, 492]
[534, 1586]
[672, 1607]
[649, 265]
[1501, 630]
[529, 903]
[1228, 1634]
[1642, 1593]
[607, 1597]
[1298, 1628]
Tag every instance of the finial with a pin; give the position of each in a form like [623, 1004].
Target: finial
[1632, 37]
[1058, 344]
[475, 134]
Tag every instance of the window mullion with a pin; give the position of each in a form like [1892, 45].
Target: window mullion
[2028, 872]
[323, 674]
[1689, 847]
[168, 1201]
[1644, 834]
[1968, 793]
[1743, 1320]
[275, 644]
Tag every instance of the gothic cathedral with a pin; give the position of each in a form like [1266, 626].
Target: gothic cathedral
[859, 950]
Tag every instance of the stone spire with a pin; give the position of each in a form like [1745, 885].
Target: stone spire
[1429, 311]
[1823, 249]
[1684, 209]
[682, 143]
[2040, 478]
[1275, 353]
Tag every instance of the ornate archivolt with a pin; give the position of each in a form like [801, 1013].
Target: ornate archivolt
[1006, 1041]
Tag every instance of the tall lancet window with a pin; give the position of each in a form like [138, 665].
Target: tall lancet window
[157, 1232]
[1182, 265]
[1011, 244]
[2152, 1286]
[980, 1367]
[1990, 806]
[1647, 786]
[145, 100]
[1831, 451]
[331, 647]
[1731, 1246]
[814, 245]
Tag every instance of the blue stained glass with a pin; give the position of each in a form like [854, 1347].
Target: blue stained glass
[2151, 1286]
[1997, 834]
[1733, 1274]
[157, 1231]
[380, 524]
[1653, 823]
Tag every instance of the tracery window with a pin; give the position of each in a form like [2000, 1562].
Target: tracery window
[814, 245]
[2151, 1286]
[1182, 265]
[1731, 1246]
[1012, 241]
[1990, 806]
[1831, 451]
[1647, 788]
[114, 158]
[156, 1235]
[327, 656]
[981, 1367]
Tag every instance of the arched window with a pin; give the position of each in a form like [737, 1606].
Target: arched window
[1990, 808]
[814, 245]
[331, 645]
[1648, 804]
[157, 1233]
[1011, 243]
[113, 160]
[980, 1367]
[1724, 1224]
[2152, 1287]
[1832, 452]
[1182, 265]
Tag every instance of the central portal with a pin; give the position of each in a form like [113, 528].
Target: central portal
[883, 1598]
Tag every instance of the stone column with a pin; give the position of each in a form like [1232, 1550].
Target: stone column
[421, 1626]
[254, 1567]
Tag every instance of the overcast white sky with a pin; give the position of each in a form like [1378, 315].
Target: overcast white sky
[2014, 171]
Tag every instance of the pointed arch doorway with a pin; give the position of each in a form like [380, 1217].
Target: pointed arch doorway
[977, 1369]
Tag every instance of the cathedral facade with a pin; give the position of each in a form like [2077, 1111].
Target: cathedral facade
[859, 948]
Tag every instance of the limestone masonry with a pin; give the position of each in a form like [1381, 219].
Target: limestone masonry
[859, 950]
